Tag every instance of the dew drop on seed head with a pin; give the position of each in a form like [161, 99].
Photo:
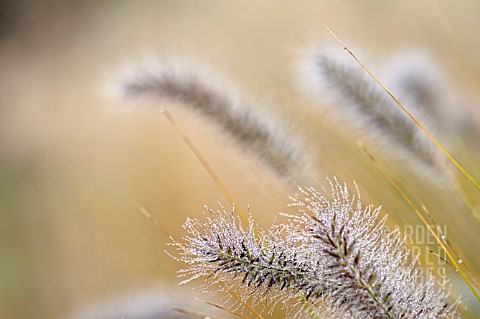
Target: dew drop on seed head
[460, 260]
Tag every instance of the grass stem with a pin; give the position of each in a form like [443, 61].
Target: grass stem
[204, 162]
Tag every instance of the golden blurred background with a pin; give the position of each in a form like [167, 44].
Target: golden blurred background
[75, 165]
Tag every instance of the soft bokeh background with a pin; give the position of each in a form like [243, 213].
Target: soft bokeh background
[75, 165]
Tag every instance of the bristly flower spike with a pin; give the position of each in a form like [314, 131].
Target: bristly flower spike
[337, 255]
[369, 274]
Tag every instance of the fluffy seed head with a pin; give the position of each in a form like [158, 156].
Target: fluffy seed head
[250, 124]
[361, 104]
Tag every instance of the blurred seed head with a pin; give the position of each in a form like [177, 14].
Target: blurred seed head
[418, 78]
[158, 303]
[335, 81]
[252, 125]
